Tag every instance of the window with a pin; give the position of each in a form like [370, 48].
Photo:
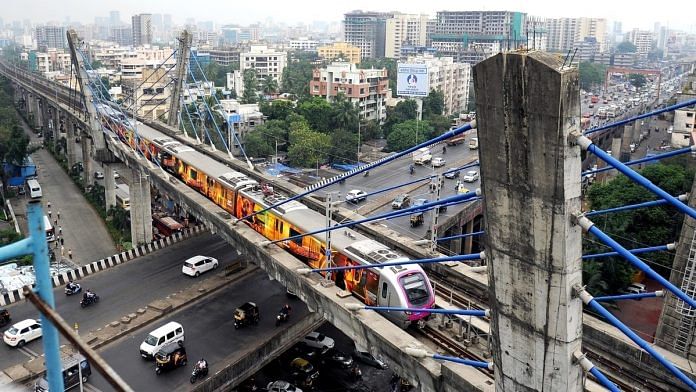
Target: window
[384, 290]
[170, 335]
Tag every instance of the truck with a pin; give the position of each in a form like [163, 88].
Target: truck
[594, 99]
[459, 139]
[422, 156]
[473, 143]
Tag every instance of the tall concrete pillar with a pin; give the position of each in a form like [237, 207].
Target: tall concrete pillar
[526, 107]
[86, 160]
[70, 141]
[31, 111]
[140, 209]
[626, 141]
[468, 241]
[109, 187]
[676, 330]
[616, 153]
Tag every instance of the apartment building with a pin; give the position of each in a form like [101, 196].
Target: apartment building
[50, 37]
[53, 60]
[367, 31]
[225, 56]
[142, 29]
[342, 51]
[642, 39]
[406, 30]
[265, 61]
[564, 33]
[450, 77]
[303, 43]
[149, 94]
[244, 118]
[121, 35]
[367, 89]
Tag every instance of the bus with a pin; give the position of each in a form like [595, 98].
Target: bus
[123, 196]
[50, 230]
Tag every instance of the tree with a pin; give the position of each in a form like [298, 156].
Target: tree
[407, 134]
[344, 146]
[269, 85]
[256, 145]
[370, 130]
[344, 114]
[440, 124]
[403, 111]
[308, 148]
[625, 47]
[96, 64]
[591, 74]
[297, 74]
[278, 109]
[656, 225]
[250, 85]
[637, 80]
[317, 111]
[433, 104]
[389, 64]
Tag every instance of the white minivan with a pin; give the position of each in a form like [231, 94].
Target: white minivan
[198, 264]
[34, 189]
[168, 333]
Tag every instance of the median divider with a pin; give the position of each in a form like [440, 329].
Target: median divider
[133, 321]
[111, 261]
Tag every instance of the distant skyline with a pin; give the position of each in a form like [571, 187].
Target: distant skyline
[676, 14]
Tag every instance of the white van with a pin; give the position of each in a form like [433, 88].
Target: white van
[34, 189]
[168, 333]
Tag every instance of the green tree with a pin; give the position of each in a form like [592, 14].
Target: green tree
[344, 146]
[370, 130]
[278, 109]
[440, 124]
[256, 145]
[96, 64]
[635, 228]
[269, 85]
[344, 114]
[433, 104]
[308, 148]
[403, 111]
[318, 112]
[591, 74]
[637, 80]
[389, 64]
[407, 134]
[625, 47]
[250, 84]
[297, 74]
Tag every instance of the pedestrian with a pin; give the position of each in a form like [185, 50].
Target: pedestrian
[49, 213]
[56, 243]
[70, 254]
[55, 222]
[58, 214]
[60, 230]
[62, 241]
[48, 205]
[62, 251]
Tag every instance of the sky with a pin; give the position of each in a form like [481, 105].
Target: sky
[673, 13]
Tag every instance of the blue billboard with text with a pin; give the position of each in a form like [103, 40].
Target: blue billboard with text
[412, 80]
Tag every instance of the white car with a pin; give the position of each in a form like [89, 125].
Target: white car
[282, 386]
[439, 162]
[98, 175]
[319, 341]
[356, 196]
[116, 175]
[198, 264]
[23, 332]
[470, 176]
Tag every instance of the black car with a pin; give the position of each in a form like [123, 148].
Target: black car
[452, 174]
[304, 351]
[338, 358]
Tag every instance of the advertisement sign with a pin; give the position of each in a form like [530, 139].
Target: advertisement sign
[412, 80]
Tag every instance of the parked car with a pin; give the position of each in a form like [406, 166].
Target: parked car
[439, 162]
[452, 174]
[636, 288]
[99, 175]
[281, 386]
[339, 358]
[318, 340]
[304, 372]
[369, 359]
[23, 332]
[356, 196]
[471, 176]
[116, 175]
[197, 265]
[401, 201]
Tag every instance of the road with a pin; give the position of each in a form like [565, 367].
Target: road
[122, 289]
[397, 172]
[209, 331]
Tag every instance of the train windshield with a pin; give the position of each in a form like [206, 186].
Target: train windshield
[416, 289]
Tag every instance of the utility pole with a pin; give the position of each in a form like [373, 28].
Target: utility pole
[182, 61]
[329, 210]
[436, 215]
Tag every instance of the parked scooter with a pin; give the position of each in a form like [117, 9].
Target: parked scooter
[72, 288]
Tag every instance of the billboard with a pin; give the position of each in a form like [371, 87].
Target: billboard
[412, 80]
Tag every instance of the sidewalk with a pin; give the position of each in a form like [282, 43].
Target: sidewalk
[83, 230]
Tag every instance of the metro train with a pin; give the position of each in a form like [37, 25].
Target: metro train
[400, 286]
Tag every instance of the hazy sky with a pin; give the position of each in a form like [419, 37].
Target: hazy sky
[674, 13]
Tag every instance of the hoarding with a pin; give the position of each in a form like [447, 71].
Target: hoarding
[412, 80]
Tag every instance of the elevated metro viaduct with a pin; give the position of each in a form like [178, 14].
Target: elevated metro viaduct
[282, 267]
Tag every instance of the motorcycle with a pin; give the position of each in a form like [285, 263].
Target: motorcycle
[89, 300]
[197, 373]
[282, 317]
[366, 174]
[73, 290]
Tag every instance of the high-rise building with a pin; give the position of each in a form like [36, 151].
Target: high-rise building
[342, 51]
[142, 29]
[122, 35]
[537, 33]
[367, 31]
[367, 89]
[472, 36]
[642, 39]
[404, 29]
[50, 37]
[565, 32]
[449, 77]
[115, 18]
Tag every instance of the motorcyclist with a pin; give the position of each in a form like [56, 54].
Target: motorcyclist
[89, 295]
[286, 309]
[411, 169]
[366, 174]
[444, 150]
[72, 286]
[202, 364]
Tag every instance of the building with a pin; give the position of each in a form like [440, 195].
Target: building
[449, 77]
[404, 29]
[225, 56]
[114, 18]
[115, 57]
[471, 36]
[367, 31]
[244, 118]
[52, 60]
[587, 49]
[150, 93]
[367, 89]
[142, 29]
[537, 33]
[342, 51]
[642, 39]
[304, 43]
[50, 37]
[121, 35]
[266, 62]
[134, 68]
[624, 59]
[564, 33]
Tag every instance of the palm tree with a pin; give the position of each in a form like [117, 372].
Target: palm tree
[345, 114]
[269, 85]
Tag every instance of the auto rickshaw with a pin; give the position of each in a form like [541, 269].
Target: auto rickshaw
[416, 219]
[4, 317]
[246, 314]
[170, 357]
